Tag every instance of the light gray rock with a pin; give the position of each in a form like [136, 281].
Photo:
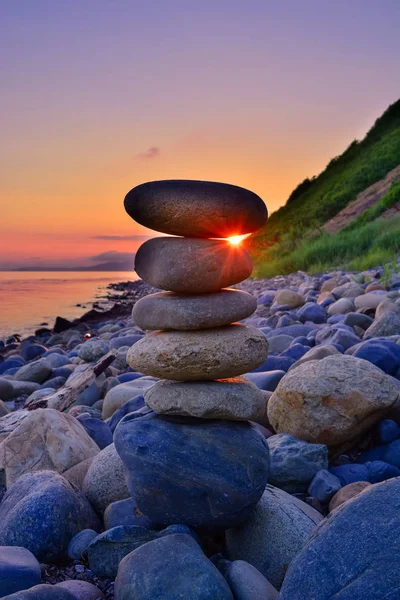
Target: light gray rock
[123, 392]
[385, 306]
[105, 481]
[247, 583]
[36, 372]
[275, 533]
[369, 301]
[204, 209]
[331, 401]
[93, 350]
[387, 324]
[191, 265]
[81, 590]
[340, 307]
[201, 355]
[235, 399]
[289, 298]
[167, 310]
[44, 440]
[316, 353]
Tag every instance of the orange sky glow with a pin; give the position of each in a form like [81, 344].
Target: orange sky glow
[101, 96]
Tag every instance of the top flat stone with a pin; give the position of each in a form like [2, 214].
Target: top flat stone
[201, 209]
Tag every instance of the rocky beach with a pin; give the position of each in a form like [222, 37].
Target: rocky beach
[200, 442]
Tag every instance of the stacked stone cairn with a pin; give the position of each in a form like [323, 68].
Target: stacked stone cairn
[191, 456]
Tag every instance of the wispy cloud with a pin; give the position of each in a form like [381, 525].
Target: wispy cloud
[152, 152]
[120, 237]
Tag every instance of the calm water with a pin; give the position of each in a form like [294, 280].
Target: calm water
[29, 299]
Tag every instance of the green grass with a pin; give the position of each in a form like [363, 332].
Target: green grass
[371, 244]
[318, 199]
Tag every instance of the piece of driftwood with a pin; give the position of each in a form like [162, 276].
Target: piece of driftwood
[68, 393]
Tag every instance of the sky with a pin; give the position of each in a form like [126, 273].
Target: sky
[98, 96]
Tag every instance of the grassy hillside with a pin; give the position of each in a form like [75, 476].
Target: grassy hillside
[277, 247]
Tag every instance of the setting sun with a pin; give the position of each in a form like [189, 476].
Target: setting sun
[236, 239]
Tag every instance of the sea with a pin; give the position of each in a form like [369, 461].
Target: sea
[28, 300]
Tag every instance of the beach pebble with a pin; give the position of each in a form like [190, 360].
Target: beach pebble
[99, 431]
[19, 570]
[382, 353]
[274, 534]
[247, 583]
[368, 528]
[202, 355]
[294, 463]
[347, 493]
[223, 468]
[204, 209]
[43, 592]
[42, 512]
[125, 512]
[80, 590]
[324, 485]
[173, 566]
[167, 310]
[105, 481]
[45, 439]
[36, 372]
[369, 301]
[331, 401]
[93, 350]
[80, 542]
[289, 298]
[236, 399]
[106, 550]
[120, 394]
[190, 265]
[385, 325]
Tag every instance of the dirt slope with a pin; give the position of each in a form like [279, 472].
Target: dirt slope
[363, 201]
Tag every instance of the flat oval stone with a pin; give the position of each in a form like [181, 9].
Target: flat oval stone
[235, 399]
[190, 265]
[167, 310]
[200, 473]
[200, 355]
[201, 209]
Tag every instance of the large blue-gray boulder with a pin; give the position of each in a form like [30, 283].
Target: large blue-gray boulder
[201, 473]
[41, 511]
[172, 567]
[354, 553]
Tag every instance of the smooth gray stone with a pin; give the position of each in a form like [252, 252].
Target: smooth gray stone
[192, 265]
[81, 590]
[36, 372]
[274, 534]
[201, 355]
[196, 208]
[105, 482]
[235, 399]
[167, 310]
[247, 583]
[173, 567]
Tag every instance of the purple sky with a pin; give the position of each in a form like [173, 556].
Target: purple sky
[101, 95]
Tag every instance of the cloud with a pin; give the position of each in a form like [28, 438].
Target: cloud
[120, 237]
[152, 152]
